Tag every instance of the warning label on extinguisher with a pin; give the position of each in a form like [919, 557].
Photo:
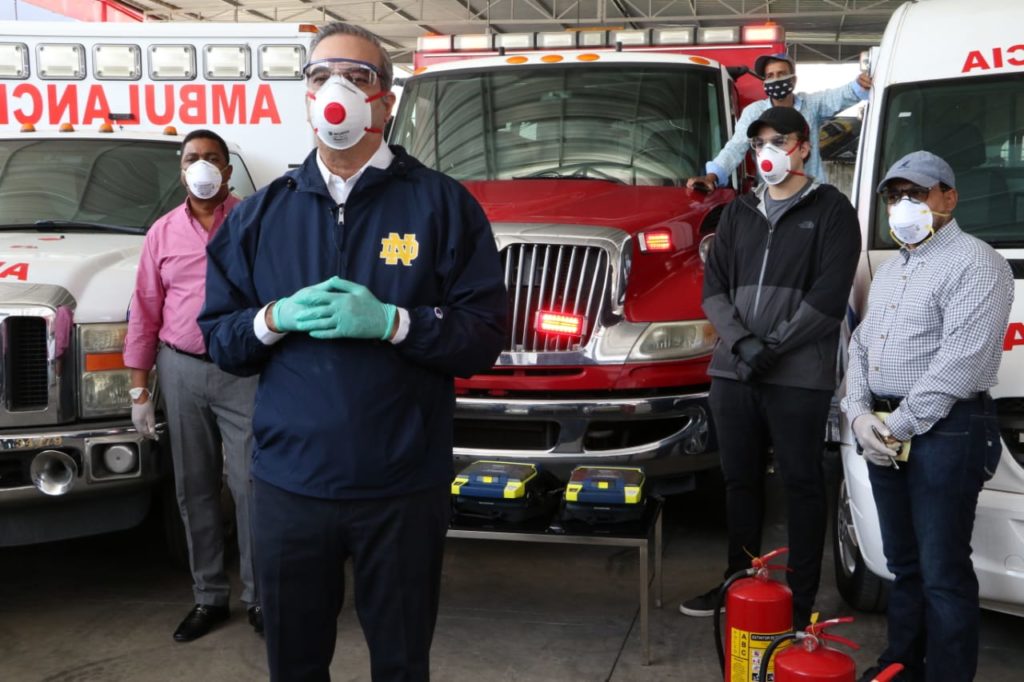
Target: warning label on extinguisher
[746, 651]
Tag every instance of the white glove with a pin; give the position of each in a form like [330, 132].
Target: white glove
[144, 419]
[876, 450]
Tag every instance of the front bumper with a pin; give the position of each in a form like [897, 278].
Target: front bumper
[998, 545]
[997, 542]
[98, 500]
[667, 434]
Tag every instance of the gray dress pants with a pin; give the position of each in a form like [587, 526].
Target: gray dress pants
[209, 417]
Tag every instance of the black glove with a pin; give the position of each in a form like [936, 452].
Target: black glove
[752, 351]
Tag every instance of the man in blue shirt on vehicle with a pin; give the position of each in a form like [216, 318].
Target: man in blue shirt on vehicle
[778, 71]
[358, 286]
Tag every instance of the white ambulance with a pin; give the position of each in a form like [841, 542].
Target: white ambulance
[91, 123]
[949, 79]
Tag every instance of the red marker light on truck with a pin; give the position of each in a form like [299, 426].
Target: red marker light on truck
[655, 241]
[561, 324]
[762, 33]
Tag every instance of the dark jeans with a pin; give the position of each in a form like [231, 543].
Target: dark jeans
[926, 514]
[396, 545]
[750, 417]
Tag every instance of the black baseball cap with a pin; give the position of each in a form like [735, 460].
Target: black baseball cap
[762, 62]
[784, 120]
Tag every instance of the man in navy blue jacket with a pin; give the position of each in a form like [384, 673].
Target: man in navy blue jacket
[357, 285]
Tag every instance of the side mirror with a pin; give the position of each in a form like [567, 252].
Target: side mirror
[736, 71]
[704, 248]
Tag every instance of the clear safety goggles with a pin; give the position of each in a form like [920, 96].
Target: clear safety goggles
[359, 73]
[758, 143]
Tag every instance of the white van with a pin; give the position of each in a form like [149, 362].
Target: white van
[948, 78]
[91, 125]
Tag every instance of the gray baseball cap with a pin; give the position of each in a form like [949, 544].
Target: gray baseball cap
[921, 167]
[761, 63]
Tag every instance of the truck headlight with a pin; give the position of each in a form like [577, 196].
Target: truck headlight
[104, 380]
[674, 341]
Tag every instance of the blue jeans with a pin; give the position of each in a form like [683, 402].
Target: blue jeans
[926, 513]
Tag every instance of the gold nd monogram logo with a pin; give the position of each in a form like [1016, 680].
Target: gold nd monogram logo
[395, 248]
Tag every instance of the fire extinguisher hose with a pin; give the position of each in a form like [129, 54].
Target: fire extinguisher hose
[719, 647]
[762, 675]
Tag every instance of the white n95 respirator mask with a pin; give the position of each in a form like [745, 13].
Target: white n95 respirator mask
[775, 164]
[340, 113]
[910, 222]
[203, 179]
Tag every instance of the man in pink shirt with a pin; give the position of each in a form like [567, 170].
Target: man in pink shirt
[209, 412]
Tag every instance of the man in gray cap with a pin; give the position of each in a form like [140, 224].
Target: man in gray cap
[778, 71]
[921, 364]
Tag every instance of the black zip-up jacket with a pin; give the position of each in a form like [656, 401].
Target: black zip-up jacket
[787, 285]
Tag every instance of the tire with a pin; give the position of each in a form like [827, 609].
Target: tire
[858, 586]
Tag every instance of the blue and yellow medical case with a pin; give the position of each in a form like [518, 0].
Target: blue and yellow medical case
[509, 492]
[604, 495]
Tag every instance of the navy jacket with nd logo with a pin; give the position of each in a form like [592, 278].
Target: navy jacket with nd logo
[357, 418]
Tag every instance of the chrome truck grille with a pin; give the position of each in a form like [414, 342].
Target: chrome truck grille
[25, 363]
[554, 278]
[37, 368]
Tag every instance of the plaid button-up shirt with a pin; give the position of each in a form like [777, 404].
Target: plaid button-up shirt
[933, 332]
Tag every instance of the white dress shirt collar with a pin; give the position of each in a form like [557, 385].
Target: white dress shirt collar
[339, 188]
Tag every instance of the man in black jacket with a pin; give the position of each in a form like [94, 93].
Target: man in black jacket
[775, 288]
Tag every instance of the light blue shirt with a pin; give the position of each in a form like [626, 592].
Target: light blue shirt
[816, 108]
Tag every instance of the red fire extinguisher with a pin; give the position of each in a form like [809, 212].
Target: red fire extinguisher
[757, 611]
[815, 661]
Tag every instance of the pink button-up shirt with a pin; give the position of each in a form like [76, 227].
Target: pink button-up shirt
[171, 285]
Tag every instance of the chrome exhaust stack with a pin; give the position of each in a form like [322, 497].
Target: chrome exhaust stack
[53, 472]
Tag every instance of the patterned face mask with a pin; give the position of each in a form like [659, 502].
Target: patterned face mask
[780, 88]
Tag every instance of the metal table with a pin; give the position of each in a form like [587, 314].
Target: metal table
[651, 530]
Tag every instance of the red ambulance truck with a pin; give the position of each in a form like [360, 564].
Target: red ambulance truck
[578, 145]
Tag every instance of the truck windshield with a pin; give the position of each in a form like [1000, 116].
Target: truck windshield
[977, 126]
[639, 124]
[126, 183]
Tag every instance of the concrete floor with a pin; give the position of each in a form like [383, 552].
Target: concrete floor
[103, 610]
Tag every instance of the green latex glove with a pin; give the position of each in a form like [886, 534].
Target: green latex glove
[286, 310]
[346, 310]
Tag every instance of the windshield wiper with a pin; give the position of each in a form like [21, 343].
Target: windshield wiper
[85, 225]
[580, 171]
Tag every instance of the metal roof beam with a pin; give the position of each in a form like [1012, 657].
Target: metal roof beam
[582, 20]
[842, 22]
[422, 12]
[238, 6]
[621, 6]
[728, 7]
